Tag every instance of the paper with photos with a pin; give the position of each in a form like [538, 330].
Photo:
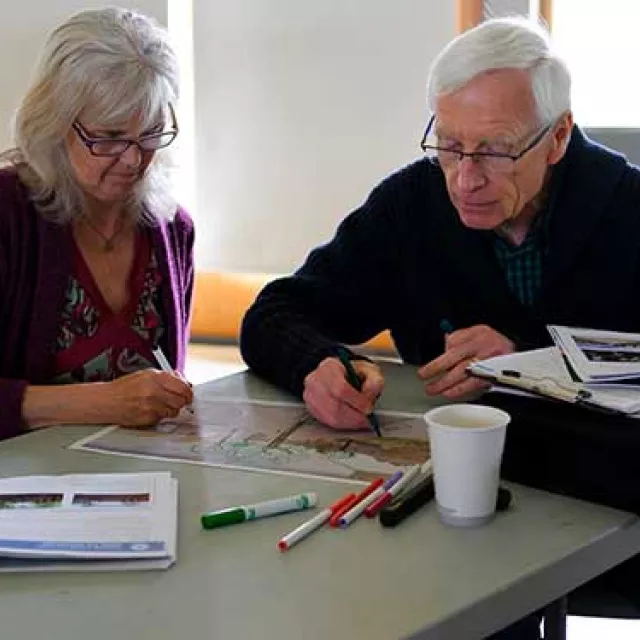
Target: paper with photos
[599, 356]
[88, 521]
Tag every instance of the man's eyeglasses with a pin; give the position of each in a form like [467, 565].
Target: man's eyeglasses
[117, 146]
[488, 161]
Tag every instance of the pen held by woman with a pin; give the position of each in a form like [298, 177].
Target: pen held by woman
[165, 366]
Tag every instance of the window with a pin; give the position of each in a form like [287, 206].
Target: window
[470, 12]
[600, 43]
[180, 24]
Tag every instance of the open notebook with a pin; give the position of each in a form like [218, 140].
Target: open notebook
[88, 522]
[543, 372]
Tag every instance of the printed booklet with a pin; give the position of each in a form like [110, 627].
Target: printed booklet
[88, 522]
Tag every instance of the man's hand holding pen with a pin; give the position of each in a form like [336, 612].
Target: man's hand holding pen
[331, 399]
[447, 374]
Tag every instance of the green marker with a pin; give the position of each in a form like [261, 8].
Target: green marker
[241, 513]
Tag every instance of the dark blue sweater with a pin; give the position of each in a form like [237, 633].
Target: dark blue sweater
[403, 261]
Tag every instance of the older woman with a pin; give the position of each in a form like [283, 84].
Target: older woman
[96, 263]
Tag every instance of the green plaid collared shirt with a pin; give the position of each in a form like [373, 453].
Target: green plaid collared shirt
[522, 265]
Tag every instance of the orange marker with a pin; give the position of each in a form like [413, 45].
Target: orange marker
[335, 518]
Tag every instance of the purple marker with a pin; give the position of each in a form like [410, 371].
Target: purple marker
[359, 508]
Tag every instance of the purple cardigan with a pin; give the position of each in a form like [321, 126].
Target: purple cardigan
[35, 264]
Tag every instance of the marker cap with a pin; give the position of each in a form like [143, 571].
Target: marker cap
[222, 518]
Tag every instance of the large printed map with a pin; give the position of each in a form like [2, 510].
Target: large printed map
[271, 436]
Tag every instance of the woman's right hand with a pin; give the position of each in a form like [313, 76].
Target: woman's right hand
[144, 397]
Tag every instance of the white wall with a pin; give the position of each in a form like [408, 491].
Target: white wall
[605, 92]
[24, 27]
[301, 108]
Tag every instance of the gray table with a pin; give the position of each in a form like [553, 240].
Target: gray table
[421, 580]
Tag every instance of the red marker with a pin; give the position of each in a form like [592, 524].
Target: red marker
[374, 507]
[335, 518]
[311, 525]
[397, 488]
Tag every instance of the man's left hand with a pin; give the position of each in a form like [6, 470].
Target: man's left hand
[463, 347]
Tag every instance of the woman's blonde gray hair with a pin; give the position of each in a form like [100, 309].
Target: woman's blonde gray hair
[105, 66]
[504, 43]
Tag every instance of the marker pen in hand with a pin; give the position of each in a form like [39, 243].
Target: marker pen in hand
[164, 364]
[356, 383]
[446, 327]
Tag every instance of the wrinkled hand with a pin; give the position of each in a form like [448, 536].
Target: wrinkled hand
[462, 347]
[334, 402]
[145, 397]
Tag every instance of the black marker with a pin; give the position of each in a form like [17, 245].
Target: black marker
[419, 495]
[446, 327]
[408, 502]
[356, 383]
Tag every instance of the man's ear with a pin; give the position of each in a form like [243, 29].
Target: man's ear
[561, 134]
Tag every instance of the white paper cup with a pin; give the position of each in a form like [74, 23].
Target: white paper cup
[466, 442]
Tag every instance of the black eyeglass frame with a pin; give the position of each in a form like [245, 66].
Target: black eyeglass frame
[482, 154]
[90, 142]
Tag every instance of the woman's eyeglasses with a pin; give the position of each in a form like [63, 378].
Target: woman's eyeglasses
[117, 146]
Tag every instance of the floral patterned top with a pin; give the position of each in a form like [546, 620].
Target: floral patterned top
[96, 344]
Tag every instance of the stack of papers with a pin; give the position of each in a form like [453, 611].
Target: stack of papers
[543, 372]
[599, 356]
[88, 522]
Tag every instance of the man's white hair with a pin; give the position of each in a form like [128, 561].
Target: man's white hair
[504, 43]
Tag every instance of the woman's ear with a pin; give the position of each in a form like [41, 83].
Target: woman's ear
[561, 134]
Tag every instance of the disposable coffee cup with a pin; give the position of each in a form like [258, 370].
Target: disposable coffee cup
[466, 442]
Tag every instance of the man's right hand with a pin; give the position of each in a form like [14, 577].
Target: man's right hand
[334, 402]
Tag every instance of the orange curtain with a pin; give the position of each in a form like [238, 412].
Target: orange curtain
[469, 13]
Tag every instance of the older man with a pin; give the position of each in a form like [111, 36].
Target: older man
[514, 221]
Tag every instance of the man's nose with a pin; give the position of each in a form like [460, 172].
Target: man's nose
[470, 175]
